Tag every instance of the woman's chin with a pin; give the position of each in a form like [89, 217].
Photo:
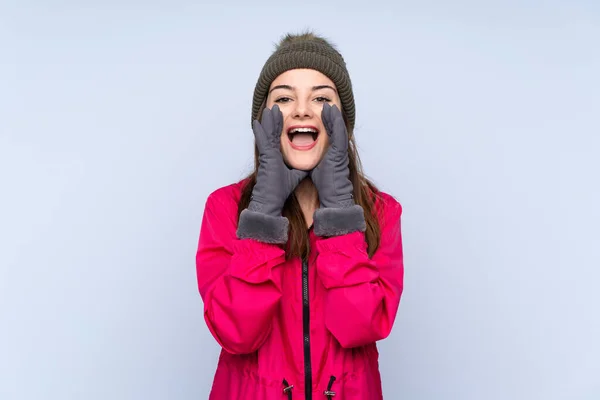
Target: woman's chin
[302, 163]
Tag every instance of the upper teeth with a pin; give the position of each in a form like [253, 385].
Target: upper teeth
[306, 130]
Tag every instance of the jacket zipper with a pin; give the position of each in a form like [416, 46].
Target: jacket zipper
[306, 331]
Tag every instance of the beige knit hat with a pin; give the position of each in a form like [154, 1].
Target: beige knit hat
[306, 50]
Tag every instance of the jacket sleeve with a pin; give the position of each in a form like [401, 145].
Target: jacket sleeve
[235, 280]
[362, 293]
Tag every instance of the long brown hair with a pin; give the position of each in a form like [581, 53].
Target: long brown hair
[365, 194]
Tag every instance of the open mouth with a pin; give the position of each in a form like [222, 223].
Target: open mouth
[303, 137]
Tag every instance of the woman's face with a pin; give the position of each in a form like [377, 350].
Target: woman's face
[300, 94]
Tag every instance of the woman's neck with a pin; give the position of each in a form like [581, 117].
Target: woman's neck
[308, 198]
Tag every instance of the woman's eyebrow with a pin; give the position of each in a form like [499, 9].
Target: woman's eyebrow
[314, 88]
[323, 87]
[288, 87]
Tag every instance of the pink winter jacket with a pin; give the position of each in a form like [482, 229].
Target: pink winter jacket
[293, 329]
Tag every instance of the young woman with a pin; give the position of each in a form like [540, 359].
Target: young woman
[300, 265]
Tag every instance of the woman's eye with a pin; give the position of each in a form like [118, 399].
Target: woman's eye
[322, 99]
[283, 100]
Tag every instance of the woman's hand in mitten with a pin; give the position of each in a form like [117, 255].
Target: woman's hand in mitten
[338, 214]
[275, 181]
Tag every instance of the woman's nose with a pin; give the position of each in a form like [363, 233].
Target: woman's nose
[302, 110]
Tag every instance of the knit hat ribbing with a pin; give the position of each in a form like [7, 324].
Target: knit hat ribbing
[306, 51]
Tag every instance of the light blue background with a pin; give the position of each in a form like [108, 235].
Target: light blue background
[118, 119]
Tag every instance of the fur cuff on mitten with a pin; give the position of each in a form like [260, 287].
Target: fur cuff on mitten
[339, 221]
[262, 227]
